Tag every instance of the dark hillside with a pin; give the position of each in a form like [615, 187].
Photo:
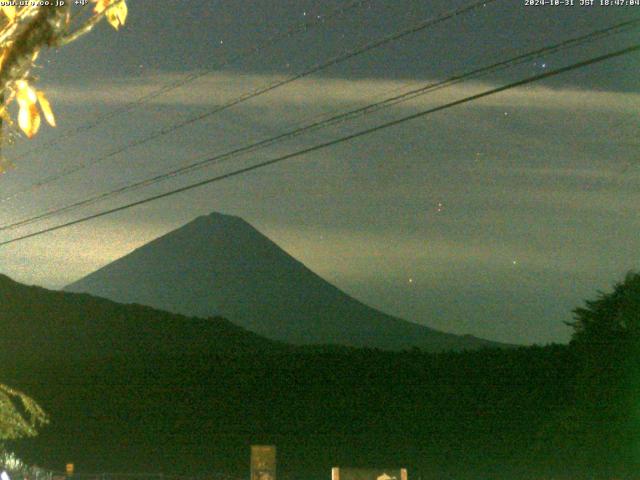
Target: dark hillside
[56, 325]
[134, 389]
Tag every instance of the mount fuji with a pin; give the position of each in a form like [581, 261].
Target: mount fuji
[221, 265]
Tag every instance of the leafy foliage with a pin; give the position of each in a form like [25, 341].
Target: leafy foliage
[606, 412]
[24, 31]
[9, 461]
[20, 415]
[613, 319]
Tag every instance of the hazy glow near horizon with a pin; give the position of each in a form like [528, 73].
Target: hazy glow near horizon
[495, 218]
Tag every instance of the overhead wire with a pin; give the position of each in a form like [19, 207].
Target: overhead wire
[342, 117]
[385, 40]
[551, 73]
[272, 40]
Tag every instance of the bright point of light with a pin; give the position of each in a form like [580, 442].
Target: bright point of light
[515, 262]
[411, 280]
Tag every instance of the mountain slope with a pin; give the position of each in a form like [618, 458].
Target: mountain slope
[220, 264]
[60, 325]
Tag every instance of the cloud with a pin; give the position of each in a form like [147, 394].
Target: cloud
[218, 87]
[362, 254]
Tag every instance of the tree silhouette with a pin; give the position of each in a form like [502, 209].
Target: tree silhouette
[613, 320]
[607, 342]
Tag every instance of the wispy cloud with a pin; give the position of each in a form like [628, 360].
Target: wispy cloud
[215, 88]
[362, 254]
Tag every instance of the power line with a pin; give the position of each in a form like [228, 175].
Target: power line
[330, 143]
[277, 37]
[346, 116]
[265, 89]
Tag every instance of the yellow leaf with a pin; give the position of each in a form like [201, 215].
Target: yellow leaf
[24, 92]
[46, 109]
[28, 115]
[29, 120]
[10, 12]
[3, 57]
[116, 13]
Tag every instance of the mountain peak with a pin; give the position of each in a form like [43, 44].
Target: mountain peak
[214, 221]
[217, 217]
[219, 264]
[216, 227]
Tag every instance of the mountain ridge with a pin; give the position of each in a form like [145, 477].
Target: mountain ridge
[220, 264]
[55, 324]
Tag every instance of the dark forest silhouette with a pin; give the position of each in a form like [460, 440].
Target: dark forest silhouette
[562, 410]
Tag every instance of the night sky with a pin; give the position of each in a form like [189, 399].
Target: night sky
[494, 218]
